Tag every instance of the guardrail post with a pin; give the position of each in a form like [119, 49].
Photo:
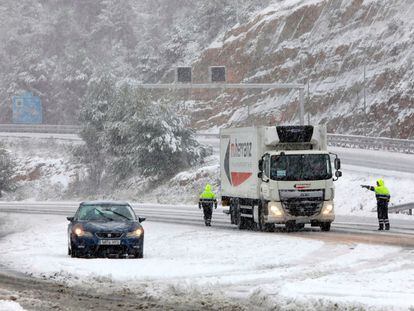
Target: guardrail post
[410, 211]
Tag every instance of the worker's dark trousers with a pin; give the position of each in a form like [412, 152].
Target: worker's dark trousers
[208, 211]
[382, 211]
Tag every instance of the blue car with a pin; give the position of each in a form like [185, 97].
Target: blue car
[105, 229]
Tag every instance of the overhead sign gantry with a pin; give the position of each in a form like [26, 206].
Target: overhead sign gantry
[183, 80]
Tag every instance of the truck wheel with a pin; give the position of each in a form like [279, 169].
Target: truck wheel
[299, 227]
[261, 225]
[232, 213]
[290, 226]
[238, 219]
[249, 223]
[325, 226]
[241, 222]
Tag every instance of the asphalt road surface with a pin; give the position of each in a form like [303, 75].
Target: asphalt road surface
[345, 228]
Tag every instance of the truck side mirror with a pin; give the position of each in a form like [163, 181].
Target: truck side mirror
[260, 175]
[338, 174]
[70, 218]
[141, 219]
[337, 163]
[260, 165]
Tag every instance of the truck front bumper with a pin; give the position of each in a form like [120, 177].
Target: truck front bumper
[277, 215]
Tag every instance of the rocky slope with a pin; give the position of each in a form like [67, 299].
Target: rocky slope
[55, 48]
[325, 44]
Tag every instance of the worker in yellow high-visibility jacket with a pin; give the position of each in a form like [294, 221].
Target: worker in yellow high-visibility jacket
[383, 198]
[207, 200]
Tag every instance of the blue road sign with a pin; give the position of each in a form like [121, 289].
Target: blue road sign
[27, 109]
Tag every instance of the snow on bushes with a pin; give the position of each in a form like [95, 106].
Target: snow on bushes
[127, 133]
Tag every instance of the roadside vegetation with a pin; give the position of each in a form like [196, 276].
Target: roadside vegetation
[129, 133]
[7, 171]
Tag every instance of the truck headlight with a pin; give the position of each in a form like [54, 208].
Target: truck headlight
[327, 208]
[136, 233]
[275, 209]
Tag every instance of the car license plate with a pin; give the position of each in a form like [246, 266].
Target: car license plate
[110, 242]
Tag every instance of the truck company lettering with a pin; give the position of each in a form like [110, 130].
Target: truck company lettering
[240, 150]
[239, 175]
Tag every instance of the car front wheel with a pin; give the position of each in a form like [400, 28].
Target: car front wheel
[325, 226]
[139, 254]
[72, 251]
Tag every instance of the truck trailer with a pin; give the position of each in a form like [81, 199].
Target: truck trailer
[278, 175]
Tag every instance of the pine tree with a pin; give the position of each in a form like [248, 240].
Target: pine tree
[93, 116]
[7, 171]
[127, 132]
[148, 137]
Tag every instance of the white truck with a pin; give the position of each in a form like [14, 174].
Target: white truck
[277, 175]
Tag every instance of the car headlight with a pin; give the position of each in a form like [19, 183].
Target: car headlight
[136, 233]
[275, 209]
[327, 209]
[78, 231]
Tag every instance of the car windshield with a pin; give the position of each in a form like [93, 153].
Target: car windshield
[105, 212]
[300, 167]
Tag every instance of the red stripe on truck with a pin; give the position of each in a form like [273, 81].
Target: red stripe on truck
[238, 178]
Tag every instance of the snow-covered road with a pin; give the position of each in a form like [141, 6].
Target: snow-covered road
[267, 268]
[346, 227]
[305, 270]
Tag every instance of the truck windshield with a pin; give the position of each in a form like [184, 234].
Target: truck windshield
[300, 167]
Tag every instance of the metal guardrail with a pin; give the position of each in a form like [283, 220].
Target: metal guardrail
[361, 142]
[401, 208]
[373, 143]
[40, 128]
[409, 207]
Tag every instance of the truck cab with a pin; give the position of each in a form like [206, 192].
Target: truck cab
[278, 175]
[298, 187]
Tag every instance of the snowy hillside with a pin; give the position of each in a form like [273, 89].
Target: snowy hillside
[45, 169]
[325, 43]
[54, 48]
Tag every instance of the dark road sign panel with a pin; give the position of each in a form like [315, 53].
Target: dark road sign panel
[184, 75]
[218, 74]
